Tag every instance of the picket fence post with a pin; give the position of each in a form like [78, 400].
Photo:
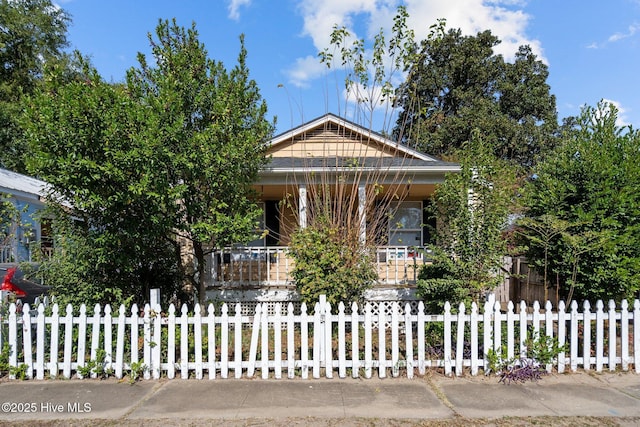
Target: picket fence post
[624, 335]
[224, 342]
[264, 344]
[599, 335]
[120, 343]
[460, 340]
[291, 356]
[146, 341]
[13, 338]
[171, 342]
[573, 352]
[420, 326]
[197, 338]
[394, 340]
[27, 340]
[355, 341]
[511, 318]
[586, 336]
[368, 341]
[277, 342]
[54, 343]
[562, 335]
[486, 328]
[523, 327]
[211, 340]
[40, 343]
[328, 345]
[318, 342]
[253, 349]
[134, 327]
[408, 333]
[82, 338]
[342, 356]
[548, 326]
[447, 339]
[497, 328]
[382, 346]
[238, 341]
[613, 339]
[473, 323]
[157, 341]
[304, 341]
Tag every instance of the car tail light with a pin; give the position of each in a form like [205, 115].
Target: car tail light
[8, 285]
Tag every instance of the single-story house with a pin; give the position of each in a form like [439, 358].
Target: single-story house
[19, 237]
[343, 158]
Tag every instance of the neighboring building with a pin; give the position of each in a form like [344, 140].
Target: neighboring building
[26, 194]
[327, 150]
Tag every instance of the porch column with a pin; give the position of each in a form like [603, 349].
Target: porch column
[302, 205]
[362, 208]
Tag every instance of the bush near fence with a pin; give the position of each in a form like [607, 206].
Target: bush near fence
[378, 339]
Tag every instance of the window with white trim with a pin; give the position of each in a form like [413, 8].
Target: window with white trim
[405, 224]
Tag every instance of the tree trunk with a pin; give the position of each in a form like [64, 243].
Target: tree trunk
[199, 255]
[187, 264]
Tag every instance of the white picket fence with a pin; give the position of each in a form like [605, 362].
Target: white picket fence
[382, 340]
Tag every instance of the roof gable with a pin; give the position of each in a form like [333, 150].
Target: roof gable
[330, 136]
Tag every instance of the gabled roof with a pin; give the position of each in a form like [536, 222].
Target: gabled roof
[306, 149]
[372, 136]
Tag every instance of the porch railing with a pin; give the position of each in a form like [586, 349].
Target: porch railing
[252, 267]
[6, 254]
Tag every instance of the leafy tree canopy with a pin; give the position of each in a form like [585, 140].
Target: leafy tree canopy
[162, 163]
[32, 33]
[473, 210]
[457, 84]
[583, 209]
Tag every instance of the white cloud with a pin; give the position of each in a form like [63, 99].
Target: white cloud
[630, 32]
[234, 8]
[621, 119]
[616, 37]
[304, 70]
[364, 18]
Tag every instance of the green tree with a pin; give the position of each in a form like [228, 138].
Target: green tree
[32, 34]
[457, 85]
[88, 140]
[591, 182]
[210, 132]
[158, 169]
[472, 210]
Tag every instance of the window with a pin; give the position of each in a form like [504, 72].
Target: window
[405, 224]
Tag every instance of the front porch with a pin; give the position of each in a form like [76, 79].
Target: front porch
[270, 267]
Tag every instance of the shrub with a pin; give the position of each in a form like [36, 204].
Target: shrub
[438, 283]
[328, 262]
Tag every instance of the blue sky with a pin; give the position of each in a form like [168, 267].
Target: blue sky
[592, 47]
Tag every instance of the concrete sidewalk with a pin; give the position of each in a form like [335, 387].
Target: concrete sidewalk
[432, 397]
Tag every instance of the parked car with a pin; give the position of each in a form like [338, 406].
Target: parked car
[22, 282]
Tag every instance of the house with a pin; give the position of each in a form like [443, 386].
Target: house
[339, 162]
[19, 236]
